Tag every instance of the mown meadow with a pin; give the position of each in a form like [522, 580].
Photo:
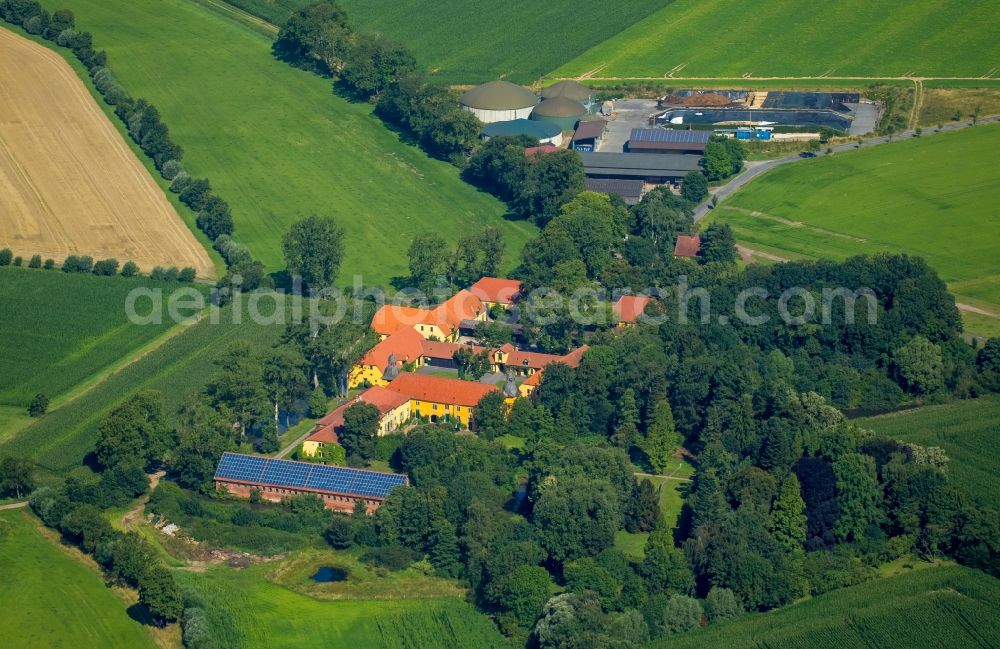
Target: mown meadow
[968, 431]
[951, 38]
[928, 196]
[244, 608]
[53, 598]
[62, 329]
[947, 606]
[277, 144]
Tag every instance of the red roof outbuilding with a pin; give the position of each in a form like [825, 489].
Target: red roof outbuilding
[496, 289]
[628, 308]
[687, 246]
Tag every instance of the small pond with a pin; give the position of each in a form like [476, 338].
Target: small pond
[327, 574]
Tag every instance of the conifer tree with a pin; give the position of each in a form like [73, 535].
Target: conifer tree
[627, 422]
[661, 439]
[788, 518]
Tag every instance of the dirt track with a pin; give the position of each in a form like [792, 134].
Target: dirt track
[69, 184]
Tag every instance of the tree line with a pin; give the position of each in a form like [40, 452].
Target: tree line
[140, 117]
[104, 267]
[372, 68]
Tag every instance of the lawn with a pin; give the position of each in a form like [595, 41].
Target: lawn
[933, 196]
[53, 598]
[60, 329]
[245, 609]
[798, 38]
[941, 607]
[277, 144]
[968, 431]
[60, 440]
[673, 486]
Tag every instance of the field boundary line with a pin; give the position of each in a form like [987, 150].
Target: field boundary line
[133, 357]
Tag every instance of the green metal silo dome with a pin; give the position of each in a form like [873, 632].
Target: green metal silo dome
[563, 112]
[569, 90]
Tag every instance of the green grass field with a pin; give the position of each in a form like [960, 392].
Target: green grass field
[61, 329]
[245, 609]
[941, 607]
[475, 41]
[49, 598]
[932, 196]
[968, 431]
[60, 440]
[797, 38]
[277, 144]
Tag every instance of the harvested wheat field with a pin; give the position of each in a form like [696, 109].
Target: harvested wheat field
[69, 184]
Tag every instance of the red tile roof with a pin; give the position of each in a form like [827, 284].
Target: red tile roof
[571, 359]
[687, 246]
[630, 307]
[405, 344]
[531, 359]
[447, 316]
[435, 389]
[390, 318]
[574, 357]
[545, 148]
[496, 289]
[384, 399]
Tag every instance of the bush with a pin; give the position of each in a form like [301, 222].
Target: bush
[196, 632]
[106, 267]
[36, 261]
[18, 260]
[5, 257]
[215, 218]
[35, 25]
[171, 168]
[391, 557]
[179, 182]
[187, 275]
[38, 405]
[66, 37]
[49, 264]
[695, 187]
[130, 269]
[78, 264]
[340, 533]
[195, 193]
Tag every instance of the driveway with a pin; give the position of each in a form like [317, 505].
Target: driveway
[629, 114]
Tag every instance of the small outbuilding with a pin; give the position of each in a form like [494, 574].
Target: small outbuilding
[588, 135]
[564, 113]
[544, 132]
[499, 101]
[569, 90]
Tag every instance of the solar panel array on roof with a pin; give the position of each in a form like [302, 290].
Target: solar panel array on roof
[287, 473]
[241, 467]
[669, 135]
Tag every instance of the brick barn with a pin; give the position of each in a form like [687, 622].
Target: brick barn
[339, 487]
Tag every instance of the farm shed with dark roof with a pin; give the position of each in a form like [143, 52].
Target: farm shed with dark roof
[662, 140]
[651, 167]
